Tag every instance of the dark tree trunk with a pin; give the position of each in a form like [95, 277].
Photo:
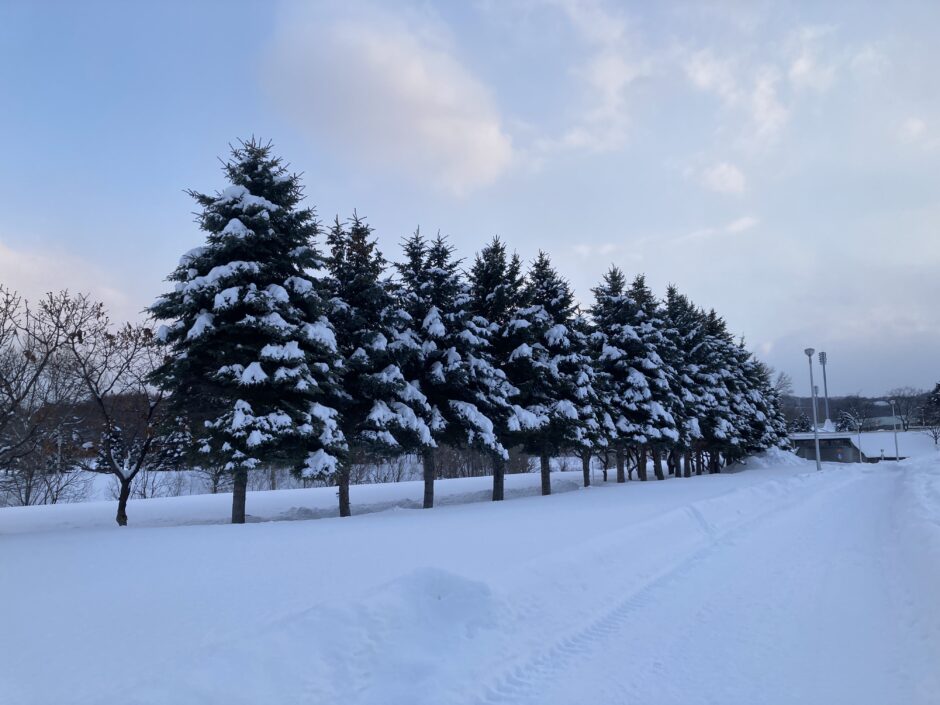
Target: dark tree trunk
[546, 473]
[698, 463]
[621, 477]
[586, 468]
[239, 492]
[714, 462]
[658, 463]
[499, 477]
[272, 479]
[688, 464]
[430, 473]
[343, 484]
[641, 464]
[677, 463]
[123, 496]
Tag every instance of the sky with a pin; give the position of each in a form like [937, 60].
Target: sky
[777, 161]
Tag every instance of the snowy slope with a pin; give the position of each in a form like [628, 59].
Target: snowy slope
[774, 584]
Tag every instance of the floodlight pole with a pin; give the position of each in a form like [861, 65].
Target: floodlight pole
[812, 388]
[823, 359]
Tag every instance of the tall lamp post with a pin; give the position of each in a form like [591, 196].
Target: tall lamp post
[812, 389]
[823, 359]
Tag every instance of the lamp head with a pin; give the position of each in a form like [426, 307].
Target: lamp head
[809, 352]
[822, 358]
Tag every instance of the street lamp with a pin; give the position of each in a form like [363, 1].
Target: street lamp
[812, 388]
[822, 361]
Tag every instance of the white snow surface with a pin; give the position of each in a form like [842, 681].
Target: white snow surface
[771, 583]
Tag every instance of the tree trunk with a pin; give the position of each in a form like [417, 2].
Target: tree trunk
[546, 473]
[698, 463]
[343, 483]
[239, 492]
[621, 477]
[641, 464]
[658, 463]
[123, 496]
[586, 468]
[688, 464]
[272, 478]
[714, 466]
[430, 472]
[499, 477]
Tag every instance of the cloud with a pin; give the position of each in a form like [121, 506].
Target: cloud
[768, 114]
[753, 93]
[741, 224]
[34, 272]
[724, 178]
[807, 69]
[913, 129]
[713, 75]
[735, 227]
[602, 124]
[392, 92]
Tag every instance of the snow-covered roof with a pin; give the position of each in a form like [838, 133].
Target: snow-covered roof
[910, 443]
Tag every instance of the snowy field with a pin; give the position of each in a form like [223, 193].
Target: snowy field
[772, 584]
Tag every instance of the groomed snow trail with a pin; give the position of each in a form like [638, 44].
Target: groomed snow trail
[776, 585]
[804, 604]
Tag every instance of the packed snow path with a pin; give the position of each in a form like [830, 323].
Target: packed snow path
[775, 585]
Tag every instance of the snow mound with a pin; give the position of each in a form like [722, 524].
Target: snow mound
[775, 458]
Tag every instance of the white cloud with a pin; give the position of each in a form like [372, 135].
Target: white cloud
[34, 272]
[606, 76]
[913, 129]
[808, 70]
[713, 75]
[724, 178]
[392, 92]
[741, 224]
[768, 114]
[735, 227]
[753, 93]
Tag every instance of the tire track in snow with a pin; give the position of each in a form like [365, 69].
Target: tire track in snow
[525, 680]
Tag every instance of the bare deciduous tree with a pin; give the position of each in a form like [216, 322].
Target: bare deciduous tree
[114, 367]
[907, 402]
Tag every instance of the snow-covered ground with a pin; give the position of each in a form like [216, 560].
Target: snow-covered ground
[772, 584]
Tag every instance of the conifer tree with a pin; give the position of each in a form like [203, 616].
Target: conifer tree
[684, 335]
[548, 368]
[656, 415]
[637, 383]
[380, 412]
[249, 335]
[466, 395]
[496, 289]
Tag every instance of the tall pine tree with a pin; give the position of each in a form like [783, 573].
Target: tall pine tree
[380, 412]
[249, 336]
[466, 395]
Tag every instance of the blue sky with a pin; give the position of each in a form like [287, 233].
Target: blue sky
[779, 162]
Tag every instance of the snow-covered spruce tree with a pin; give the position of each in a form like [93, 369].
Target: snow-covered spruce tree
[638, 385]
[379, 411]
[496, 287]
[467, 396]
[548, 367]
[594, 420]
[656, 416]
[718, 364]
[684, 335]
[249, 335]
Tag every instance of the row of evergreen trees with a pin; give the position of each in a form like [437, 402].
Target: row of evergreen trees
[279, 354]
